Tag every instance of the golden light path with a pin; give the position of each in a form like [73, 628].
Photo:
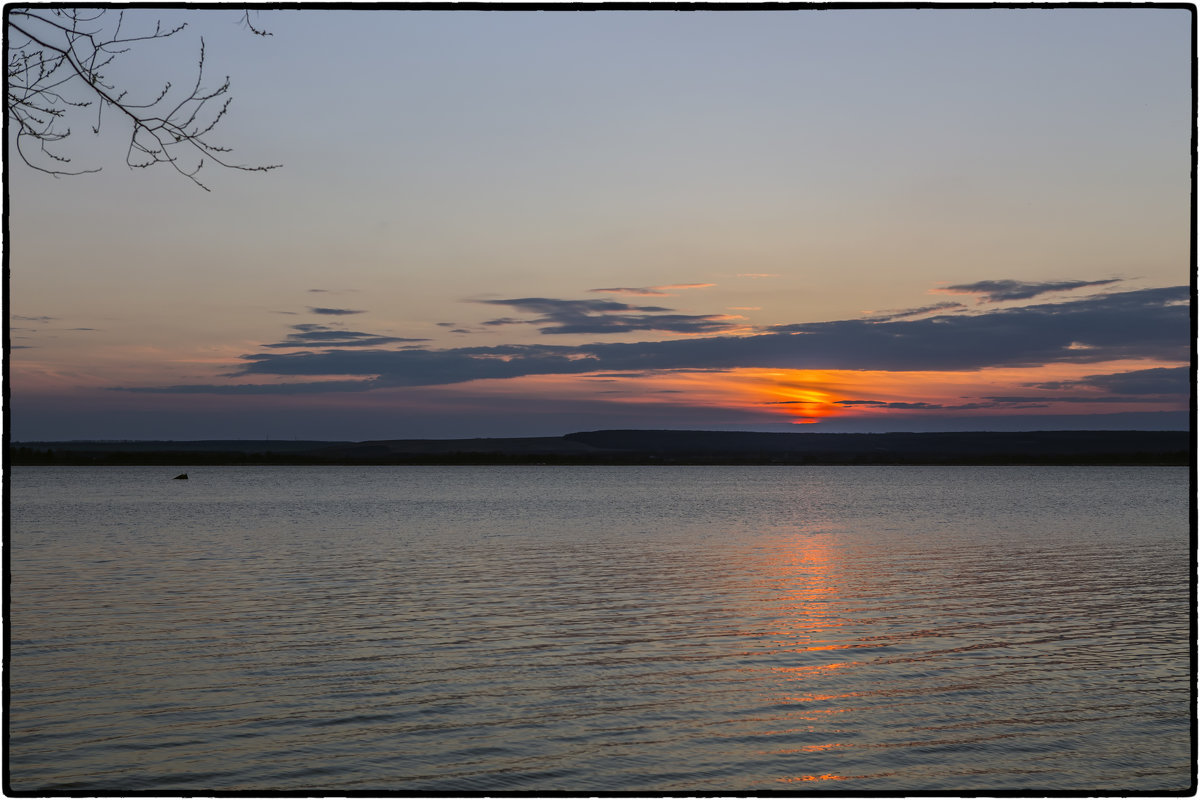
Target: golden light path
[809, 616]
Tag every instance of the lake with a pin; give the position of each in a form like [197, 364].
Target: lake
[707, 630]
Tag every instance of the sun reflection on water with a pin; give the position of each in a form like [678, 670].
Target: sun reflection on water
[812, 723]
[806, 604]
[827, 777]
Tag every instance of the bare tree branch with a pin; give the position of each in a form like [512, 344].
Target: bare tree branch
[57, 58]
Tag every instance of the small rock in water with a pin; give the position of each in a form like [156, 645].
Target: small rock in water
[182, 477]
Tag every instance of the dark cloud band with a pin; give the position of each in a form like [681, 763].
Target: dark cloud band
[997, 291]
[1143, 324]
[334, 312]
[313, 335]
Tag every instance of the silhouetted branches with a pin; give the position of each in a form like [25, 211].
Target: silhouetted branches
[57, 64]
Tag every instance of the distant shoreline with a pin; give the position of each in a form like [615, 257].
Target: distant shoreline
[637, 448]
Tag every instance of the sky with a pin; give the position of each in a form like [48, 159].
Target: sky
[529, 223]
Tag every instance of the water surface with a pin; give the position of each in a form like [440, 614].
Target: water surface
[647, 629]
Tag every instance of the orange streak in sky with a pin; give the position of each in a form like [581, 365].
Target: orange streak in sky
[811, 395]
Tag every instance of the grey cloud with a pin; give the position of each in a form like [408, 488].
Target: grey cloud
[551, 306]
[886, 404]
[1159, 380]
[672, 323]
[641, 291]
[605, 316]
[1148, 323]
[652, 291]
[309, 387]
[362, 340]
[885, 316]
[416, 367]
[996, 291]
[454, 327]
[314, 335]
[1044, 399]
[337, 312]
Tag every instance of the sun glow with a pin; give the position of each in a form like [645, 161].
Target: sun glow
[808, 396]
[805, 397]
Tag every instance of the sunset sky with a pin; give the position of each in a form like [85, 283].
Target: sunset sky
[526, 223]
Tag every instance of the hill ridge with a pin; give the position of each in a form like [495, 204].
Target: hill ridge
[649, 446]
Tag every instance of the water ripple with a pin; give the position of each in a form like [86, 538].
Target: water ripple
[646, 630]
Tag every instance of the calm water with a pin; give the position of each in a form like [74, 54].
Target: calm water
[691, 629]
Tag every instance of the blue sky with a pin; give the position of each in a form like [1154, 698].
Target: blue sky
[477, 211]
